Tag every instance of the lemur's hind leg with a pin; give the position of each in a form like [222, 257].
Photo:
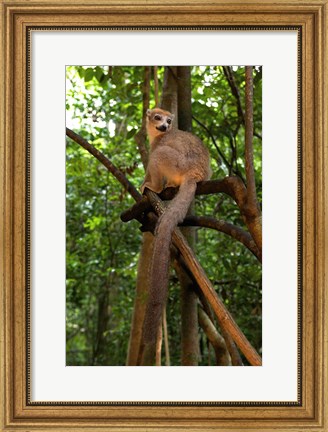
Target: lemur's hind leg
[154, 183]
[154, 180]
[165, 163]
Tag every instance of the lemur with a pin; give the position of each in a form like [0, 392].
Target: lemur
[177, 158]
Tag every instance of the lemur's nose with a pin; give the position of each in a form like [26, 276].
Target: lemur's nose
[162, 128]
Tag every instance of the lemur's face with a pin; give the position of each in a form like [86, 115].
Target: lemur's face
[158, 121]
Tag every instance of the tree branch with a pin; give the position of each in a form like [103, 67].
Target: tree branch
[232, 186]
[249, 163]
[225, 160]
[233, 351]
[169, 99]
[234, 90]
[141, 136]
[225, 227]
[214, 337]
[229, 74]
[251, 208]
[156, 97]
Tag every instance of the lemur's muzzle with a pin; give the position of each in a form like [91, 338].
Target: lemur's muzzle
[161, 128]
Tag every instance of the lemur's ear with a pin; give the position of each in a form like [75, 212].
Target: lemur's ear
[148, 113]
[172, 116]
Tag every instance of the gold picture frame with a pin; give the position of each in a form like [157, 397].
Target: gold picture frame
[310, 413]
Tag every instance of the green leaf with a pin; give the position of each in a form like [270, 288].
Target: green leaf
[89, 73]
[131, 133]
[99, 74]
[81, 71]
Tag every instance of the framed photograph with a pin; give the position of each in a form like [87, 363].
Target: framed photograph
[107, 110]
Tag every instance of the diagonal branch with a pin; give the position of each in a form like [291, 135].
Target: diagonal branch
[106, 162]
[235, 91]
[229, 74]
[227, 228]
[214, 142]
[225, 319]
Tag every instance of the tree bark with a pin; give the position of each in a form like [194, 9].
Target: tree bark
[233, 351]
[169, 100]
[190, 354]
[156, 86]
[184, 98]
[251, 209]
[158, 354]
[166, 340]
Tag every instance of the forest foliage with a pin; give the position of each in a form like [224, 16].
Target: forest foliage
[104, 106]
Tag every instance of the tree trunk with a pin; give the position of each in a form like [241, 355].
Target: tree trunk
[190, 353]
[151, 354]
[147, 242]
[100, 354]
[169, 99]
[184, 98]
[189, 320]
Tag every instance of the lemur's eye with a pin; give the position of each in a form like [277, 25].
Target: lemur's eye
[169, 121]
[157, 117]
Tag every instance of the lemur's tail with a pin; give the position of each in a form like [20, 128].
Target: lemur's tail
[159, 272]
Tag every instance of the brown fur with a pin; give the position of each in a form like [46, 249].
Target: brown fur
[177, 158]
